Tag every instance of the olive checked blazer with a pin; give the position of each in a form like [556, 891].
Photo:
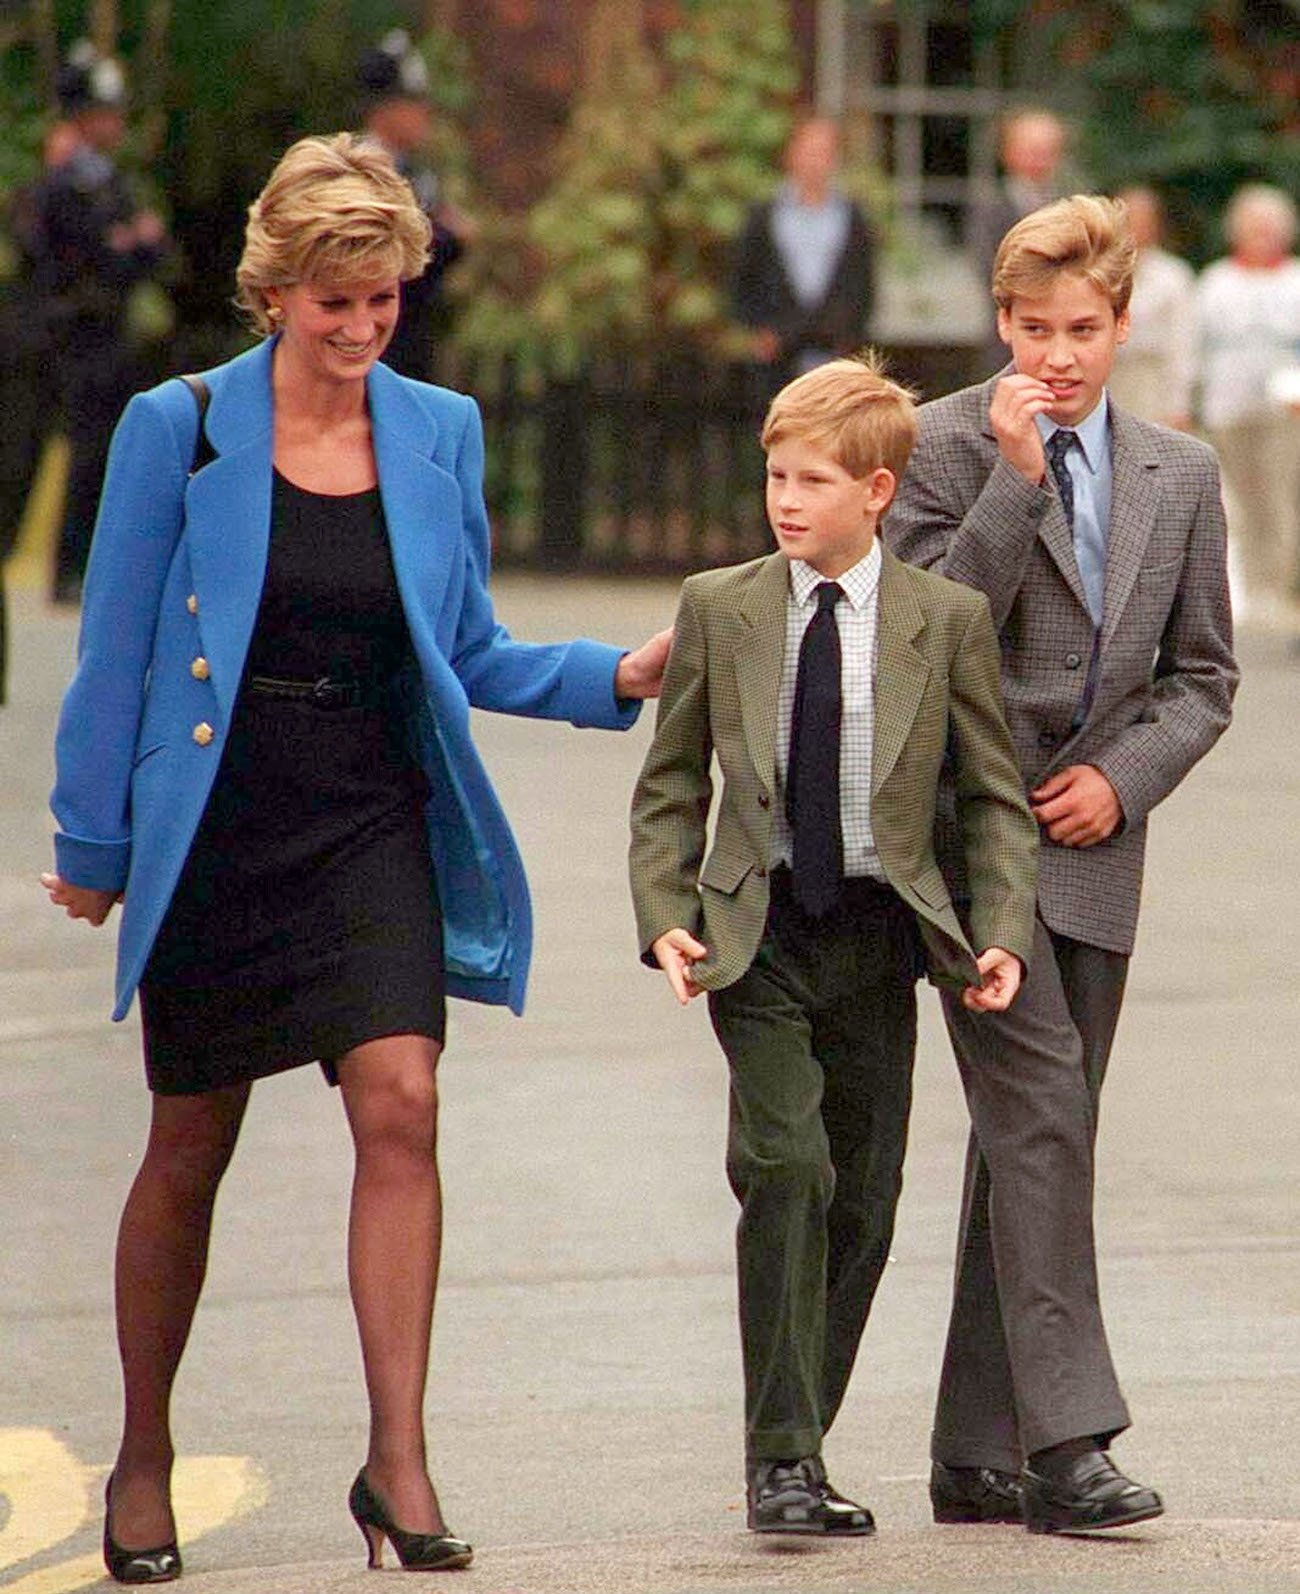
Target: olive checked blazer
[171, 597]
[1165, 676]
[936, 694]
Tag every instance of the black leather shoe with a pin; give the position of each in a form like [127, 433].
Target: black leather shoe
[159, 1565]
[974, 1494]
[1088, 1494]
[797, 1497]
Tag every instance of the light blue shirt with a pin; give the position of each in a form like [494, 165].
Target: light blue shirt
[1089, 465]
[810, 240]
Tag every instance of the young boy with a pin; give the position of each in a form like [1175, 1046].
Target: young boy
[1099, 541]
[829, 680]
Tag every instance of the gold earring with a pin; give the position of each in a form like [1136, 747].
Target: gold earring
[274, 312]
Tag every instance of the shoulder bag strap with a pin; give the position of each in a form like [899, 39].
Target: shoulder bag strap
[204, 453]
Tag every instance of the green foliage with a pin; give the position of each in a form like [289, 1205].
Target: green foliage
[1193, 96]
[626, 252]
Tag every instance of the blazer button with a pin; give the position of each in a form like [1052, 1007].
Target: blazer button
[764, 801]
[1047, 738]
[192, 603]
[202, 733]
[1073, 661]
[199, 669]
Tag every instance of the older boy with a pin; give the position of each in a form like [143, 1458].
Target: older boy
[1099, 542]
[829, 679]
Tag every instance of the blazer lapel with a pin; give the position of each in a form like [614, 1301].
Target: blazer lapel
[1134, 499]
[760, 655]
[422, 502]
[228, 516]
[901, 674]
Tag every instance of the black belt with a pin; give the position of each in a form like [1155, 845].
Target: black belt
[321, 693]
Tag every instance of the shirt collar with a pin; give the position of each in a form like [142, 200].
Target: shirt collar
[1093, 432]
[859, 582]
[787, 198]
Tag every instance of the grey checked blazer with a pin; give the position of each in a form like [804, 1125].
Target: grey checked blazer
[936, 690]
[1166, 674]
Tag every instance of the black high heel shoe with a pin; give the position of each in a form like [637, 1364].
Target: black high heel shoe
[418, 1552]
[162, 1565]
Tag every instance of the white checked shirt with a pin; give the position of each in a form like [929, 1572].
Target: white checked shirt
[855, 619]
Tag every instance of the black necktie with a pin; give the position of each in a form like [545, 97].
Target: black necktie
[1058, 446]
[813, 776]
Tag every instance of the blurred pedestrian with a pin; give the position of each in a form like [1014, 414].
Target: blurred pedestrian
[1250, 336]
[93, 243]
[29, 417]
[803, 271]
[1031, 148]
[1155, 370]
[265, 754]
[1099, 541]
[394, 84]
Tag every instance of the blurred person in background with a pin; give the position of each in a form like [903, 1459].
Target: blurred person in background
[1154, 371]
[1031, 146]
[24, 401]
[92, 244]
[1250, 344]
[394, 84]
[804, 263]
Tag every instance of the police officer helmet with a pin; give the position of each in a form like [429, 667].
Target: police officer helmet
[393, 69]
[89, 81]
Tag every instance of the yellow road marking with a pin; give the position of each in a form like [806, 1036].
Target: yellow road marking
[207, 1491]
[45, 1485]
[29, 562]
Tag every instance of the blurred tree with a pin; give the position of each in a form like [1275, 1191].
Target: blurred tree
[626, 251]
[734, 77]
[597, 227]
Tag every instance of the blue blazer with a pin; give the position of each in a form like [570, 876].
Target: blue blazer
[171, 596]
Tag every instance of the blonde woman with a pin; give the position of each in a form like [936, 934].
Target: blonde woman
[265, 756]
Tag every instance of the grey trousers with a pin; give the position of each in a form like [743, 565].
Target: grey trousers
[1027, 1364]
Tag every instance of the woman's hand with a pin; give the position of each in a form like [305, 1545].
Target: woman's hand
[641, 672]
[81, 902]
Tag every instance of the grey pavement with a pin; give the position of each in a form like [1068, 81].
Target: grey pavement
[584, 1405]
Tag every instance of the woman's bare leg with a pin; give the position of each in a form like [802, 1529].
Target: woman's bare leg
[162, 1255]
[390, 1094]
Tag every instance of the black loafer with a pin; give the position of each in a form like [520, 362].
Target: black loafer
[974, 1494]
[797, 1497]
[1090, 1493]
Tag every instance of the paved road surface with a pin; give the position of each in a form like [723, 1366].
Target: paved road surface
[584, 1405]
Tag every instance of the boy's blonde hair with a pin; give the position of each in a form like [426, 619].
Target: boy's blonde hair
[1086, 235]
[852, 411]
[335, 210]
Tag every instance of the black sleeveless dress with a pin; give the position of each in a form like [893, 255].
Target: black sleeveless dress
[306, 918]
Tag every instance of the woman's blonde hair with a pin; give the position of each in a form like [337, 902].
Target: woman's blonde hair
[1086, 235]
[849, 409]
[333, 210]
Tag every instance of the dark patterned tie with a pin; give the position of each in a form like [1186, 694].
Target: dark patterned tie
[813, 774]
[1058, 446]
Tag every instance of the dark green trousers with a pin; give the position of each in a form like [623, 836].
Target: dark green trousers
[820, 1035]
